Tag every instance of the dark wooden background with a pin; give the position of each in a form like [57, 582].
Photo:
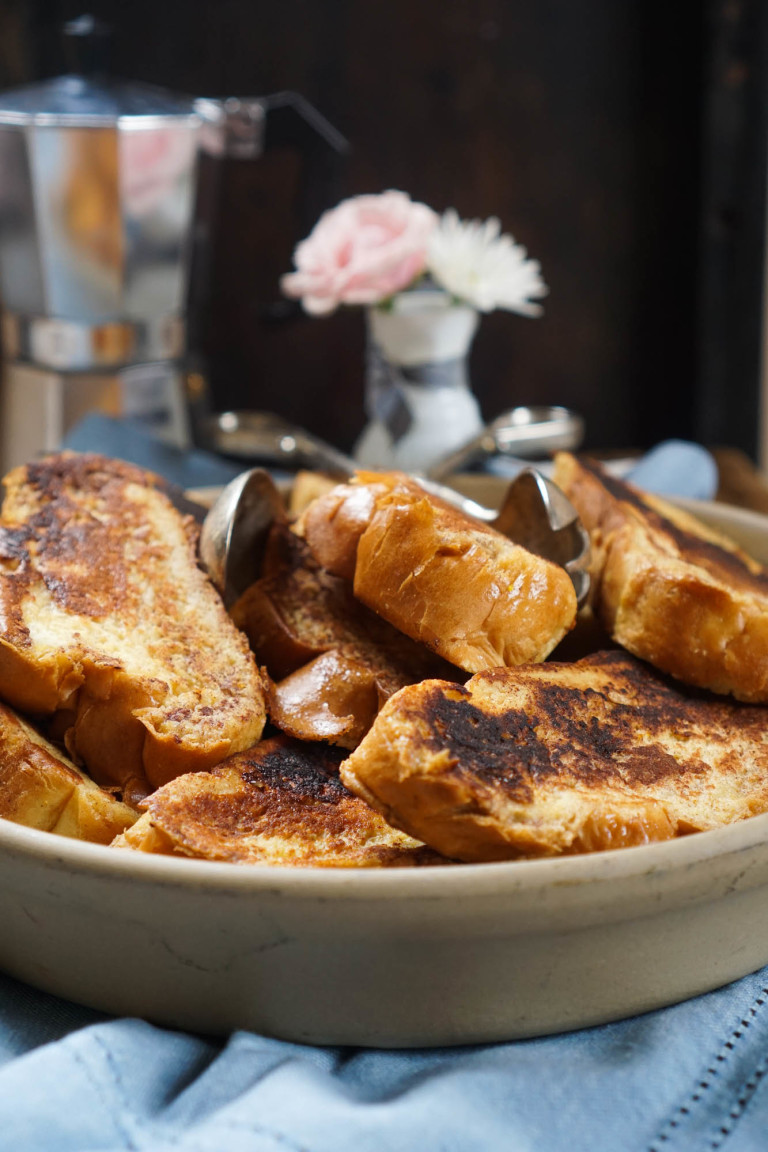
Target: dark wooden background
[622, 143]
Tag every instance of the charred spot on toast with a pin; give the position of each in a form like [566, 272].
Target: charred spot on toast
[650, 764]
[14, 544]
[500, 748]
[280, 802]
[708, 555]
[307, 771]
[278, 788]
[575, 734]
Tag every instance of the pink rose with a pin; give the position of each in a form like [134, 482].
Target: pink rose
[361, 252]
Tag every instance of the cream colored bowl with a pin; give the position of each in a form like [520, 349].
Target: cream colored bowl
[391, 958]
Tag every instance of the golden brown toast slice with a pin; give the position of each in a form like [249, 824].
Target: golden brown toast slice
[670, 589]
[281, 802]
[441, 577]
[41, 788]
[561, 758]
[332, 661]
[109, 625]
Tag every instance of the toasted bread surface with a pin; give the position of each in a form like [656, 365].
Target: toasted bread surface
[281, 802]
[41, 788]
[109, 623]
[441, 577]
[561, 758]
[670, 589]
[334, 697]
[306, 486]
[332, 662]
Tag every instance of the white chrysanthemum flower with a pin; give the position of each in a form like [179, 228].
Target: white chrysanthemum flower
[474, 263]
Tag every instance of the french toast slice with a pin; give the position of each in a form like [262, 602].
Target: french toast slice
[670, 589]
[41, 788]
[331, 661]
[560, 758]
[281, 802]
[108, 625]
[443, 578]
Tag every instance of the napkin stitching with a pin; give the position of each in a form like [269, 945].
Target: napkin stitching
[714, 1071]
[189, 1141]
[253, 1129]
[739, 1107]
[95, 1080]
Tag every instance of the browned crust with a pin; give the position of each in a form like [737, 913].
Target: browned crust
[281, 802]
[560, 758]
[669, 589]
[334, 697]
[82, 539]
[335, 521]
[332, 661]
[470, 594]
[41, 788]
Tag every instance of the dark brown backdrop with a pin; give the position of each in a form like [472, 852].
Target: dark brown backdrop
[589, 129]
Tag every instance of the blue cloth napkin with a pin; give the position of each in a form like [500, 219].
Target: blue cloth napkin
[671, 468]
[685, 1078]
[128, 440]
[676, 468]
[692, 1076]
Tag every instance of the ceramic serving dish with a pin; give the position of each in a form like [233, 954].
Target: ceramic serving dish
[391, 957]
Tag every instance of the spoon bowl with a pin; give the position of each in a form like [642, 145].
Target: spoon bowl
[234, 532]
[538, 514]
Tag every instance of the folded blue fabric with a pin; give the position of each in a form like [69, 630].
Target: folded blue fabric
[692, 1076]
[687, 1077]
[671, 468]
[129, 440]
[676, 468]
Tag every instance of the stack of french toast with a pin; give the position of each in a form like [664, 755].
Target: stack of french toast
[402, 686]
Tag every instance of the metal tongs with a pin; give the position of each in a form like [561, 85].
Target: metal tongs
[534, 513]
[528, 432]
[524, 433]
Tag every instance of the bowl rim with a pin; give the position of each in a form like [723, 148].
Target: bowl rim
[460, 879]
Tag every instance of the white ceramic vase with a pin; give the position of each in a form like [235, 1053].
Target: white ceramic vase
[418, 396]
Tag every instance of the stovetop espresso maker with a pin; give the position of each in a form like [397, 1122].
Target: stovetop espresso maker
[99, 223]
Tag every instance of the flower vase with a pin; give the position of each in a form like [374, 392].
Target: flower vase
[417, 391]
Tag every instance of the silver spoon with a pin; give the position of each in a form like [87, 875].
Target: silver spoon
[234, 532]
[534, 513]
[538, 514]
